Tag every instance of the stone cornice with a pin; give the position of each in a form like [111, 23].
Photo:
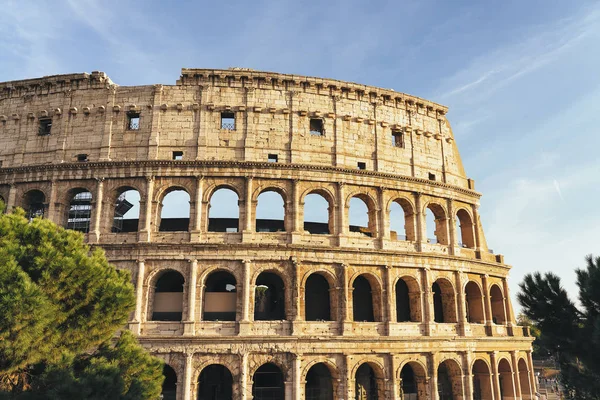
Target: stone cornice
[5, 172]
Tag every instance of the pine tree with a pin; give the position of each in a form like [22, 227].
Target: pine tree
[62, 304]
[570, 334]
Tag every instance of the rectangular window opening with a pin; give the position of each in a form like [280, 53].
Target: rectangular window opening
[228, 121]
[316, 127]
[178, 155]
[272, 158]
[431, 177]
[133, 121]
[82, 157]
[397, 139]
[45, 126]
[362, 165]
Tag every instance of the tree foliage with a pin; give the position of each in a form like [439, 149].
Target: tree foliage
[62, 304]
[569, 333]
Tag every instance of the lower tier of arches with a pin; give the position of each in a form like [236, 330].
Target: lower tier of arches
[461, 375]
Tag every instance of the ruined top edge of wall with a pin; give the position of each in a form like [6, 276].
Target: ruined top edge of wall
[191, 76]
[93, 79]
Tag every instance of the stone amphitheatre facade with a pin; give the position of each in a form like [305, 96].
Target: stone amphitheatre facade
[243, 307]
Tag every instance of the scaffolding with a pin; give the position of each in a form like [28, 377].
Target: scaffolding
[121, 208]
[80, 212]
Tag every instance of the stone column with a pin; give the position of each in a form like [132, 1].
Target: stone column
[384, 222]
[421, 235]
[244, 395]
[487, 300]
[96, 218]
[296, 298]
[433, 382]
[248, 218]
[516, 375]
[532, 381]
[187, 377]
[135, 325]
[461, 304]
[346, 318]
[350, 379]
[476, 227]
[297, 377]
[390, 297]
[196, 225]
[453, 248]
[244, 323]
[12, 197]
[342, 215]
[189, 323]
[393, 381]
[495, 376]
[51, 212]
[468, 376]
[427, 300]
[510, 317]
[145, 234]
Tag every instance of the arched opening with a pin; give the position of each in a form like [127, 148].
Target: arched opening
[449, 380]
[408, 300]
[269, 298]
[474, 298]
[224, 211]
[268, 383]
[317, 215]
[498, 311]
[220, 297]
[34, 204]
[215, 383]
[169, 386]
[366, 383]
[413, 385]
[465, 227]
[402, 221]
[359, 217]
[524, 380]
[316, 299]
[270, 212]
[127, 211]
[436, 224]
[444, 301]
[80, 210]
[482, 381]
[167, 303]
[507, 388]
[175, 212]
[319, 385]
[362, 300]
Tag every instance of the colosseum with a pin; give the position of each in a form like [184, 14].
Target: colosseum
[342, 295]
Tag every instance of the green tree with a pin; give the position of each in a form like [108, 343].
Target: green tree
[62, 305]
[569, 333]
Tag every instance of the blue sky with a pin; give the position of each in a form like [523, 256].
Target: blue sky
[521, 80]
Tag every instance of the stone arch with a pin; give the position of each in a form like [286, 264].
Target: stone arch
[78, 211]
[444, 301]
[215, 382]
[231, 223]
[167, 294]
[125, 214]
[440, 221]
[34, 203]
[482, 380]
[408, 217]
[170, 216]
[408, 299]
[319, 382]
[465, 227]
[220, 296]
[371, 205]
[412, 380]
[268, 382]
[449, 379]
[278, 224]
[475, 304]
[317, 299]
[369, 380]
[269, 296]
[498, 306]
[524, 381]
[366, 298]
[169, 386]
[505, 375]
[315, 227]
